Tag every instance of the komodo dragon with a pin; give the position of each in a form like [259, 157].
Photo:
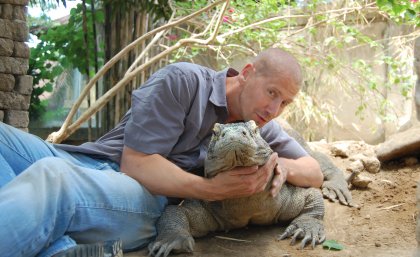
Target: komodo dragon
[232, 145]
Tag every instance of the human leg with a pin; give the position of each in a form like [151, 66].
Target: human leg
[54, 197]
[6, 172]
[18, 150]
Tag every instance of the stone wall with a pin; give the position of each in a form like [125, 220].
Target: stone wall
[15, 85]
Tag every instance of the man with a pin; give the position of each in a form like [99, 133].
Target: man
[47, 206]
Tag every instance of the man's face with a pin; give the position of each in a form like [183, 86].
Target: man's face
[264, 97]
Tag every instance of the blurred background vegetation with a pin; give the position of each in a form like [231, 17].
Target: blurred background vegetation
[357, 57]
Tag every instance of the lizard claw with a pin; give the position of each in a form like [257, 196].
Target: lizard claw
[310, 229]
[336, 190]
[178, 243]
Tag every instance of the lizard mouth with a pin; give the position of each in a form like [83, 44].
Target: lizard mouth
[237, 147]
[238, 154]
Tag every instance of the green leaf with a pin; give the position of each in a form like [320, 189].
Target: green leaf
[48, 87]
[332, 245]
[100, 16]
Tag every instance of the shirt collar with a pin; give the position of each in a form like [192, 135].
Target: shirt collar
[218, 95]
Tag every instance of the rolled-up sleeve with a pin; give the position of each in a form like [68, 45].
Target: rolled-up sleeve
[158, 112]
[281, 142]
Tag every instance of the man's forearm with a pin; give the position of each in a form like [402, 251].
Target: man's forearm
[302, 172]
[162, 177]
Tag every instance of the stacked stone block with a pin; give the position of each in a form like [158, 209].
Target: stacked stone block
[15, 85]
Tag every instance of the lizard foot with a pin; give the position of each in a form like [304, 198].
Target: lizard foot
[176, 243]
[310, 229]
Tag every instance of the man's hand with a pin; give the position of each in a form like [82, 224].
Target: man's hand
[244, 181]
[280, 177]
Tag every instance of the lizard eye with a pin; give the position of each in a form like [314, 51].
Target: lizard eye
[255, 130]
[244, 133]
[216, 133]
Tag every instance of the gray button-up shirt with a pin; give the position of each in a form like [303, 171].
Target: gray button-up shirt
[173, 114]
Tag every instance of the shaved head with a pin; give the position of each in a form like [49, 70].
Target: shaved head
[264, 87]
[276, 63]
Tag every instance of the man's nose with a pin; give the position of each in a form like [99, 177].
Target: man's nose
[273, 108]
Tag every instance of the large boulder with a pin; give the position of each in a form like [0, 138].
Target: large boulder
[399, 145]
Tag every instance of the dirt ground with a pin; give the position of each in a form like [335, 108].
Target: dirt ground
[383, 224]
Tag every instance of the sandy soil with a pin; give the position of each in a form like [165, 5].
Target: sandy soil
[382, 225]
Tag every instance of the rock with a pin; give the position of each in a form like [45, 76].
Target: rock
[24, 84]
[361, 181]
[7, 82]
[371, 164]
[358, 156]
[340, 149]
[388, 183]
[17, 119]
[410, 161]
[399, 145]
[356, 166]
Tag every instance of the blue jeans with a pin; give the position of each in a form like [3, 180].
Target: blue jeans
[51, 199]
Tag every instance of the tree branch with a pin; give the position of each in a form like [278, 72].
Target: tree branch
[67, 128]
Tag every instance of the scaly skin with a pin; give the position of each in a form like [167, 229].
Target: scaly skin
[232, 145]
[335, 186]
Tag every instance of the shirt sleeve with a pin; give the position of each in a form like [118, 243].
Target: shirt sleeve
[281, 142]
[158, 112]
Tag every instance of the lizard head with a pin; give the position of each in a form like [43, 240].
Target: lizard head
[233, 145]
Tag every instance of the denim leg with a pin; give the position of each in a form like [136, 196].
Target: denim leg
[18, 150]
[55, 197]
[61, 244]
[6, 173]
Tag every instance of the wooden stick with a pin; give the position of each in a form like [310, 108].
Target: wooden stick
[232, 239]
[390, 207]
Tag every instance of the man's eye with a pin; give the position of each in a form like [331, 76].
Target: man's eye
[285, 103]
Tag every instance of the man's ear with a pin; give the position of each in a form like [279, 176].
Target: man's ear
[246, 71]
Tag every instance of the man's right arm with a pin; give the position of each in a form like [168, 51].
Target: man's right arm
[162, 177]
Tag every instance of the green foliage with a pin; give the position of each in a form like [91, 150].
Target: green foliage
[402, 11]
[239, 14]
[319, 35]
[44, 67]
[159, 8]
[61, 47]
[47, 4]
[316, 36]
[332, 245]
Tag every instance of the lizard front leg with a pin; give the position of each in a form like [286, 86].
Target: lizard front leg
[177, 226]
[308, 225]
[335, 186]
